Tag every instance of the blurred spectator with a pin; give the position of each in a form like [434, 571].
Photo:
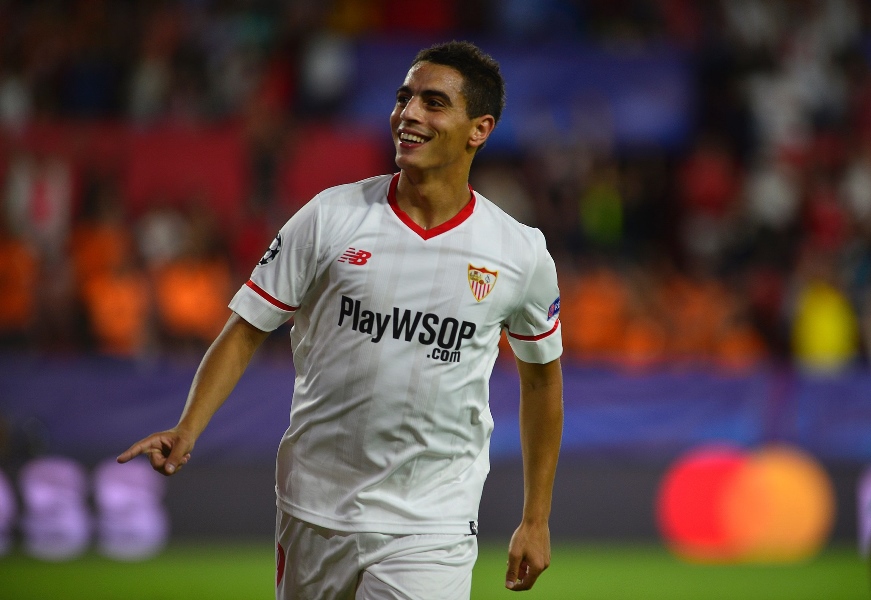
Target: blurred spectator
[594, 307]
[161, 234]
[192, 297]
[19, 274]
[15, 101]
[113, 288]
[149, 89]
[649, 207]
[708, 180]
[825, 330]
[826, 219]
[353, 17]
[772, 195]
[766, 296]
[855, 185]
[601, 208]
[697, 311]
[38, 201]
[683, 21]
[118, 304]
[39, 211]
[646, 336]
[738, 343]
[645, 343]
[152, 79]
[193, 289]
[326, 73]
[101, 239]
[90, 81]
[268, 125]
[693, 251]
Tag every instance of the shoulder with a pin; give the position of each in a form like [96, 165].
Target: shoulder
[334, 208]
[361, 193]
[336, 212]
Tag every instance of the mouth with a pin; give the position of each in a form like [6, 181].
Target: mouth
[409, 139]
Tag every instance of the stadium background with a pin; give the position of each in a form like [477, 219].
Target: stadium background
[702, 172]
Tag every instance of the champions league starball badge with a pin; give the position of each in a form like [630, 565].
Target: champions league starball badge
[272, 252]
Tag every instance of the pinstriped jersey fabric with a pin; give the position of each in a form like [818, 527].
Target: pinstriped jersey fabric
[394, 339]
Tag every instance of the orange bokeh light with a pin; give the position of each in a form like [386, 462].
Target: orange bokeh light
[721, 504]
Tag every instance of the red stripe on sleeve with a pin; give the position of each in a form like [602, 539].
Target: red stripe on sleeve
[535, 338]
[270, 299]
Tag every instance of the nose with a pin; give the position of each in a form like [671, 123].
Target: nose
[411, 110]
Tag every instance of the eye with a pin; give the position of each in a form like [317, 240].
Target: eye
[402, 99]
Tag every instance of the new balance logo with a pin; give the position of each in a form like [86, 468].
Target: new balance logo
[355, 257]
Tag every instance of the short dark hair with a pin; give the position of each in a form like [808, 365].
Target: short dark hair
[483, 85]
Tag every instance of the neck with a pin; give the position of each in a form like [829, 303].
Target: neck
[429, 202]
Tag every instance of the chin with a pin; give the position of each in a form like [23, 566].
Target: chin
[403, 162]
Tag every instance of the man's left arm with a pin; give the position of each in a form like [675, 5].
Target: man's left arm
[541, 423]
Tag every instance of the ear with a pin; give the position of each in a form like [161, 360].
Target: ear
[482, 128]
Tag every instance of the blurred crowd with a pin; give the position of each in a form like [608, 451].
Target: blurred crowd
[750, 245]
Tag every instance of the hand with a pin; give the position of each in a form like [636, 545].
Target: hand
[168, 451]
[528, 556]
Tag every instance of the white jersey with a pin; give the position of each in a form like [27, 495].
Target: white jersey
[394, 339]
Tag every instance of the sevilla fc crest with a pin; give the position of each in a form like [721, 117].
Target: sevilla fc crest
[481, 281]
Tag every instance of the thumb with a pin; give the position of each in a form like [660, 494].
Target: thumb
[178, 456]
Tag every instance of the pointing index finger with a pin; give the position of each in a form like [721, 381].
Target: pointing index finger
[129, 454]
[144, 446]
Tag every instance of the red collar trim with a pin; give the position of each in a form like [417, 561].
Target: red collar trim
[426, 234]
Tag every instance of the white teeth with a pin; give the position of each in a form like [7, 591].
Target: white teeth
[414, 139]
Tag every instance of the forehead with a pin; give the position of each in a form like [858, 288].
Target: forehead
[425, 76]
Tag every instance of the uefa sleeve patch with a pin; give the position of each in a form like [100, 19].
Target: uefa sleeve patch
[272, 252]
[553, 311]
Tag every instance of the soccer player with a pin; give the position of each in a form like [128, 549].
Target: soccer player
[399, 287]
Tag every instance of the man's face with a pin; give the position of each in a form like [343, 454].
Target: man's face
[429, 123]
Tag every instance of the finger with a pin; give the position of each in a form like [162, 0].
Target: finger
[126, 456]
[178, 457]
[140, 447]
[528, 577]
[156, 458]
[512, 574]
[160, 462]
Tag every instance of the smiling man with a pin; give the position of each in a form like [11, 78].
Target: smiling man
[400, 287]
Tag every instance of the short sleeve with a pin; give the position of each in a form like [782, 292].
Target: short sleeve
[285, 273]
[534, 328]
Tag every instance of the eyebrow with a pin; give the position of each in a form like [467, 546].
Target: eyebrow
[426, 94]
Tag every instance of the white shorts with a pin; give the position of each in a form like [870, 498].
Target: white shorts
[315, 563]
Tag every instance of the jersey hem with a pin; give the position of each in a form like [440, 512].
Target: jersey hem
[369, 526]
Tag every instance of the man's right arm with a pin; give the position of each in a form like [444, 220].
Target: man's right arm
[220, 370]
